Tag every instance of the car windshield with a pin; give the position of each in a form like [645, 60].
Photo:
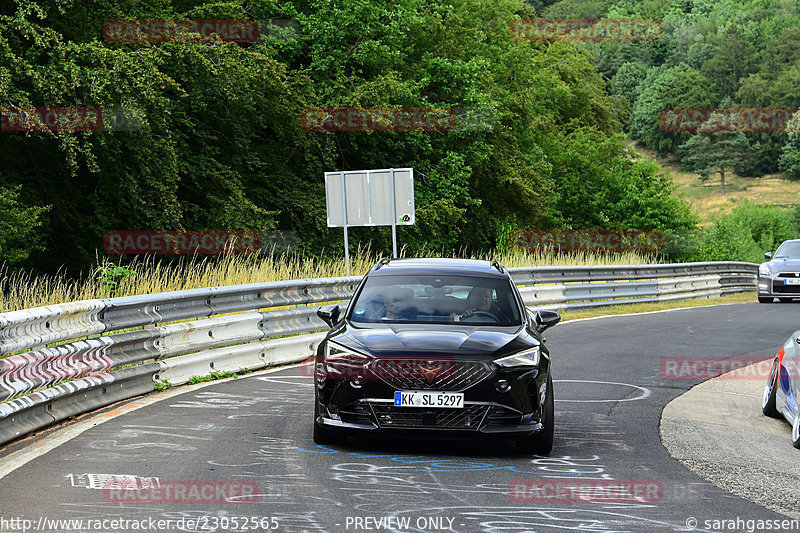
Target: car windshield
[788, 250]
[436, 299]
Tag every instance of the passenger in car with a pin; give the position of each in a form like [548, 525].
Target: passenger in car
[399, 303]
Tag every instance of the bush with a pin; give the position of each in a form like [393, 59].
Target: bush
[747, 232]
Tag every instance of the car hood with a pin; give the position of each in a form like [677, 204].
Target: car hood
[784, 265]
[424, 340]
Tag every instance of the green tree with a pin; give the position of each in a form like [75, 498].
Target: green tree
[627, 79]
[602, 185]
[679, 87]
[734, 59]
[790, 158]
[575, 9]
[712, 150]
[19, 227]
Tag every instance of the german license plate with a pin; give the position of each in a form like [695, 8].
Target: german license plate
[793, 281]
[448, 400]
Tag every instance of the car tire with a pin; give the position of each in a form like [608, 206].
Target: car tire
[796, 431]
[541, 443]
[765, 299]
[323, 435]
[768, 402]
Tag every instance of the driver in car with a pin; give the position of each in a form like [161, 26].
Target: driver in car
[480, 299]
[479, 302]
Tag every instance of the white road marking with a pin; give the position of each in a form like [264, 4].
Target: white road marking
[104, 481]
[22, 457]
[645, 392]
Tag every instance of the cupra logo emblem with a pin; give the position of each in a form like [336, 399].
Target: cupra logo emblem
[429, 370]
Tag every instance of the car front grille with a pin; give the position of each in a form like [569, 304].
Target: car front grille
[789, 275]
[468, 418]
[430, 374]
[778, 287]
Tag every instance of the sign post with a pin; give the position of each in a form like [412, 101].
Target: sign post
[394, 215]
[344, 213]
[383, 197]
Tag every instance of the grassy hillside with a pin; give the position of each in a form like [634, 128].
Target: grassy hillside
[705, 198]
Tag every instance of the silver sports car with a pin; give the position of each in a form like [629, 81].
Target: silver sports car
[779, 277]
[782, 393]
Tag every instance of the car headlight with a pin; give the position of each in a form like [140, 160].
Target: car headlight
[529, 357]
[763, 270]
[342, 363]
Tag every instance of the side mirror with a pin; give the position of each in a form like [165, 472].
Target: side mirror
[329, 314]
[768, 256]
[546, 319]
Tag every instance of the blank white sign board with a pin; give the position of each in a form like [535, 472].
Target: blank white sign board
[368, 196]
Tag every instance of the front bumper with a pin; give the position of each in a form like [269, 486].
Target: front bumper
[489, 408]
[488, 419]
[779, 286]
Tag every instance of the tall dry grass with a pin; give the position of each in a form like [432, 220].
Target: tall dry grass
[21, 290]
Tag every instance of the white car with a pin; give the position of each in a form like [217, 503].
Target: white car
[779, 277]
[782, 393]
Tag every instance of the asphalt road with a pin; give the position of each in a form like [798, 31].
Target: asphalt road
[255, 431]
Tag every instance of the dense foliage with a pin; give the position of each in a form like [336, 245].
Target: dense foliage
[746, 233]
[713, 54]
[221, 144]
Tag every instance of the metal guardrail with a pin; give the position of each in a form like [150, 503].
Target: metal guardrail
[106, 350]
[581, 287]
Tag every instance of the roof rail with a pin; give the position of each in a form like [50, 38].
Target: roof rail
[496, 264]
[381, 262]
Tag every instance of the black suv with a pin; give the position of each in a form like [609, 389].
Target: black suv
[436, 346]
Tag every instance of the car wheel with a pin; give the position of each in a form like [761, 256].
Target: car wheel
[323, 435]
[768, 402]
[796, 431]
[765, 299]
[541, 443]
